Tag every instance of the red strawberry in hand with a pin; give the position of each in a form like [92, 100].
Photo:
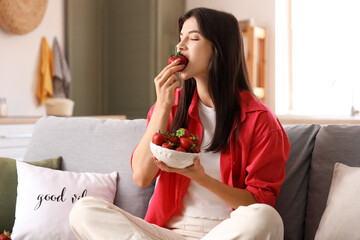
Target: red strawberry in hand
[5, 236]
[183, 60]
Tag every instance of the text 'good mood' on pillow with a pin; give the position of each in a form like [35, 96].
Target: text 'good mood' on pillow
[45, 198]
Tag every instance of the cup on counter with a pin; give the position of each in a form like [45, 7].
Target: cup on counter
[3, 107]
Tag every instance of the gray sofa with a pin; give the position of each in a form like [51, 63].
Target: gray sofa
[97, 145]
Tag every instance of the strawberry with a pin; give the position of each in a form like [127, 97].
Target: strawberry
[159, 138]
[167, 145]
[173, 139]
[180, 149]
[183, 141]
[186, 143]
[183, 132]
[195, 149]
[183, 59]
[5, 236]
[196, 141]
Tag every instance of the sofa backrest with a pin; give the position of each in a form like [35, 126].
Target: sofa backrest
[94, 145]
[334, 143]
[292, 200]
[98, 145]
[314, 151]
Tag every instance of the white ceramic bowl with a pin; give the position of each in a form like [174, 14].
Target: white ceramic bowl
[173, 158]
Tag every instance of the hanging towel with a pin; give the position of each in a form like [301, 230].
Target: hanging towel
[62, 76]
[44, 88]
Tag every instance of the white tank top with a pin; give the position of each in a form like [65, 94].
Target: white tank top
[198, 201]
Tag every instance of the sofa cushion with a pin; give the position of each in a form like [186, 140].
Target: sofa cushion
[341, 217]
[334, 143]
[291, 202]
[8, 185]
[94, 145]
[45, 198]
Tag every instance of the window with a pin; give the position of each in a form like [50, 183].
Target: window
[320, 65]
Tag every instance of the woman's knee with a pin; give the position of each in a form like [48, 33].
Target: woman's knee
[265, 213]
[263, 221]
[81, 210]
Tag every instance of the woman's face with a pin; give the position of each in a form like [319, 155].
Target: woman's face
[197, 49]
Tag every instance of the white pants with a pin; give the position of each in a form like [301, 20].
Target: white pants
[96, 219]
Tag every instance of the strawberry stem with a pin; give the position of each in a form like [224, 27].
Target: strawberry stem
[177, 53]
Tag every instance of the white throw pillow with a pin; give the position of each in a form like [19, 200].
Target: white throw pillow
[45, 198]
[341, 216]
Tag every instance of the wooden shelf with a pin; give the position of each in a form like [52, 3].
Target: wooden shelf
[256, 58]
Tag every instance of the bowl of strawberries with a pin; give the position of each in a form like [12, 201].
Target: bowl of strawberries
[177, 150]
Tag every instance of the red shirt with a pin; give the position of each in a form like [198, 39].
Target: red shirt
[256, 164]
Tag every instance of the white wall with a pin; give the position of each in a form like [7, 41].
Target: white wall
[263, 13]
[19, 61]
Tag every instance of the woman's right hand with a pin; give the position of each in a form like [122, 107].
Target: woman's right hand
[166, 83]
[144, 168]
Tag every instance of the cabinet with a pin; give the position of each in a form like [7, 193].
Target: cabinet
[14, 139]
[16, 133]
[255, 50]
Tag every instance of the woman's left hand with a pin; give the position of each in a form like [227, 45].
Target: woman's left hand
[194, 172]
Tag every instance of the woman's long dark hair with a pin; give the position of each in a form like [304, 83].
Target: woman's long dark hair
[228, 73]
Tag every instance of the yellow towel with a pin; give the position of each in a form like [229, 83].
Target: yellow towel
[44, 88]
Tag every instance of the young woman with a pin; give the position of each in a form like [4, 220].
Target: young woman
[230, 191]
